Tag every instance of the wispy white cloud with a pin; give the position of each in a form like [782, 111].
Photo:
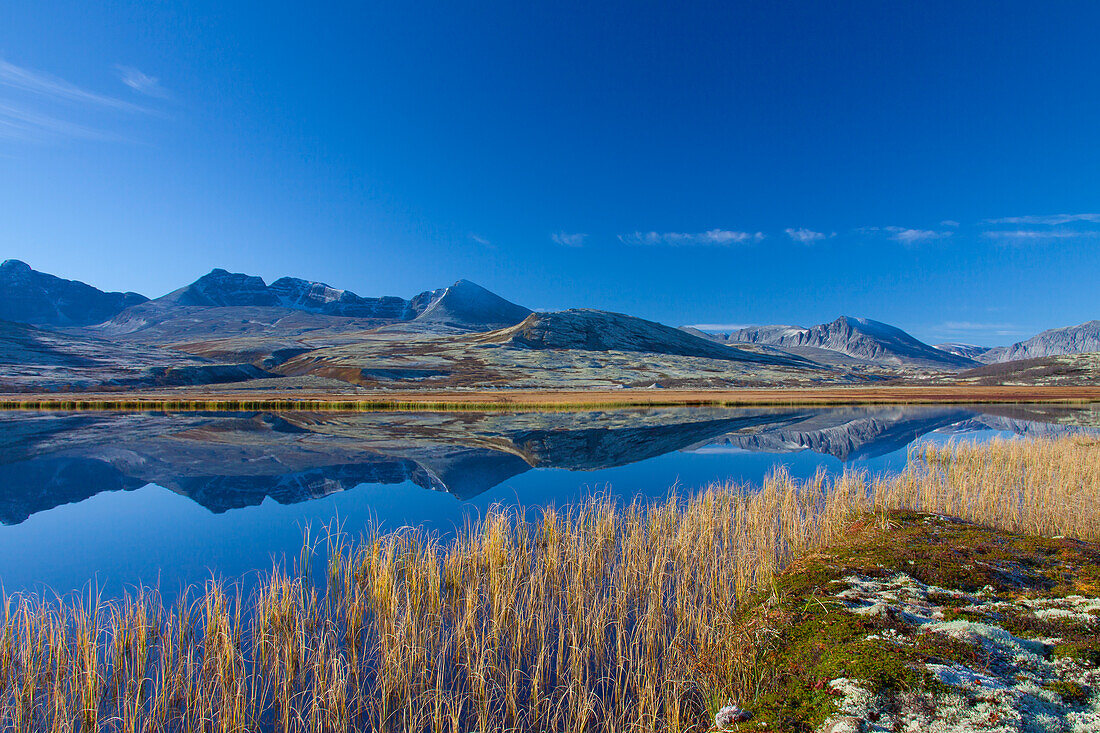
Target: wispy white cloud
[905, 235]
[1047, 220]
[50, 87]
[1024, 236]
[719, 327]
[805, 236]
[711, 237]
[141, 82]
[566, 239]
[913, 236]
[972, 328]
[479, 240]
[950, 223]
[37, 107]
[27, 125]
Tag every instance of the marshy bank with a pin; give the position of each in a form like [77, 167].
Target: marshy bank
[479, 400]
[598, 617]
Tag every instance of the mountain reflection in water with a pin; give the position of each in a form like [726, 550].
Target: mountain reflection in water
[229, 461]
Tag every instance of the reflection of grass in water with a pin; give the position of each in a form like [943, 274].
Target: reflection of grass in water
[597, 617]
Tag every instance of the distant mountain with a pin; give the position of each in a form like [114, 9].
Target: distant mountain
[861, 338]
[1080, 339]
[29, 296]
[967, 351]
[595, 330]
[463, 307]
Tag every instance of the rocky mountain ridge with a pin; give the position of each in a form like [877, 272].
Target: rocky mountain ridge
[41, 299]
[861, 338]
[1079, 339]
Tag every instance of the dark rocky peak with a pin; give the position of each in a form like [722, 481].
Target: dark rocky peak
[223, 288]
[29, 296]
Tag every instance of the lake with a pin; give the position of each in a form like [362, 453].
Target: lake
[115, 500]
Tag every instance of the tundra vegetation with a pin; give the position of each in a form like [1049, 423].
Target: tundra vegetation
[611, 617]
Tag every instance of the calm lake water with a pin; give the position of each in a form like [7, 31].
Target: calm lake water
[118, 500]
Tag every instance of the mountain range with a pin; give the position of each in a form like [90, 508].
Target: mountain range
[860, 338]
[236, 330]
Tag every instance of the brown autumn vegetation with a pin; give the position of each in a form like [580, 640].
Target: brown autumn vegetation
[560, 399]
[602, 617]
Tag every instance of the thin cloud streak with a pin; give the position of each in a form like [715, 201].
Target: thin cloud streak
[1023, 236]
[913, 236]
[1047, 220]
[953, 329]
[141, 82]
[52, 88]
[719, 327]
[905, 235]
[711, 237]
[566, 239]
[25, 125]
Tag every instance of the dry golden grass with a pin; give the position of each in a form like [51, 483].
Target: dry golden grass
[596, 618]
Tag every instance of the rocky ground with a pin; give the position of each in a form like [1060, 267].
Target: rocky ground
[930, 624]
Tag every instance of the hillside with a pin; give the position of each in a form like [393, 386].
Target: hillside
[1067, 369]
[593, 330]
[33, 359]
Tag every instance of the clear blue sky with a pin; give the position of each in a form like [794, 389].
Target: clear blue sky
[937, 165]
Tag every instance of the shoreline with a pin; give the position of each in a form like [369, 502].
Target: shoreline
[432, 401]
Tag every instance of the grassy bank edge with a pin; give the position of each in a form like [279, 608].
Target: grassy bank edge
[565, 400]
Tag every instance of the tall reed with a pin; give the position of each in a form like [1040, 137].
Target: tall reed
[599, 617]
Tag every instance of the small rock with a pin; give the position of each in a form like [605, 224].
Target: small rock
[730, 714]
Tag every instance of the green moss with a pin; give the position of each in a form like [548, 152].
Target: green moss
[1072, 692]
[1085, 650]
[819, 640]
[954, 614]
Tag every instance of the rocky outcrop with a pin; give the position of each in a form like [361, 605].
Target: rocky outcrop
[1080, 339]
[29, 296]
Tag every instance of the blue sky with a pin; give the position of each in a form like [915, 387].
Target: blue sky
[934, 165]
